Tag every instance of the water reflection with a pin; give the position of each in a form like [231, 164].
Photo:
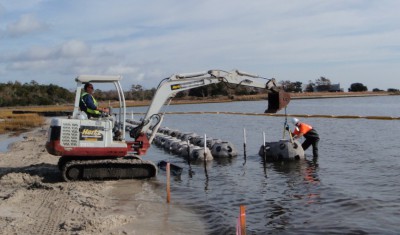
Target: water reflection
[226, 161]
[311, 175]
[190, 171]
[301, 185]
[279, 216]
[206, 179]
[295, 169]
[244, 153]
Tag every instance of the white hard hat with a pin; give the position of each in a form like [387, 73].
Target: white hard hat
[295, 121]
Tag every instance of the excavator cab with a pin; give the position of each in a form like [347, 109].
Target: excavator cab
[277, 101]
[95, 148]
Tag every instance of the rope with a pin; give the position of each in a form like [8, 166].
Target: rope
[291, 115]
[284, 125]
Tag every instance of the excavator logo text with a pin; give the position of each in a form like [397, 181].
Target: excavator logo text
[176, 87]
[91, 133]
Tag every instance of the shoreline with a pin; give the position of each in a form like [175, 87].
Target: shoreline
[66, 109]
[199, 100]
[304, 95]
[35, 200]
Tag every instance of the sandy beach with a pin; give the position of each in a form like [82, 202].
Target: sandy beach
[35, 200]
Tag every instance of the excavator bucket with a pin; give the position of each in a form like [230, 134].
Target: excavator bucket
[277, 101]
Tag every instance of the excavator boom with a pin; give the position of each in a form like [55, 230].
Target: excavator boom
[169, 87]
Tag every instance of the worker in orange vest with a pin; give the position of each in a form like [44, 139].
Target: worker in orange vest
[308, 132]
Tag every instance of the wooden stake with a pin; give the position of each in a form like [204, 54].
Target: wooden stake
[205, 148]
[265, 155]
[242, 220]
[244, 135]
[168, 183]
[263, 138]
[265, 152]
[244, 145]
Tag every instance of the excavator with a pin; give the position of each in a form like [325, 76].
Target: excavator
[97, 148]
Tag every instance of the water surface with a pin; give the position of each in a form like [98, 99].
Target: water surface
[352, 188]
[6, 140]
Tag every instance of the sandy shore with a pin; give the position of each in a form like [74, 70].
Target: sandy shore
[34, 199]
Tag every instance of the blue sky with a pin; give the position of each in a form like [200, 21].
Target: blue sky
[346, 41]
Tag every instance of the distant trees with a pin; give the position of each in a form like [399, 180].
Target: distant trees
[221, 89]
[137, 92]
[289, 86]
[310, 86]
[393, 90]
[17, 94]
[323, 84]
[357, 87]
[377, 90]
[320, 84]
[33, 93]
[200, 91]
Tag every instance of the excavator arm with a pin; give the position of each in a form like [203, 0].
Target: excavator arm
[169, 87]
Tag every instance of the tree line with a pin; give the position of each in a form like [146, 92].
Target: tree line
[17, 94]
[33, 93]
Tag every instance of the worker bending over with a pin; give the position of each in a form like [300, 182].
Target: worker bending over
[309, 133]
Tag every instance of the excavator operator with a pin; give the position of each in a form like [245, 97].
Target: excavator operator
[89, 104]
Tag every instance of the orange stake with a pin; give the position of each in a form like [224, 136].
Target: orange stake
[168, 184]
[242, 220]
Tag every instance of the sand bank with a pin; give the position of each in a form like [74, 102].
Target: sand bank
[35, 200]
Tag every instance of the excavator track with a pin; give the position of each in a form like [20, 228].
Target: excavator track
[106, 169]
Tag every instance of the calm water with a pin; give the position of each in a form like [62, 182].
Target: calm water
[6, 140]
[352, 188]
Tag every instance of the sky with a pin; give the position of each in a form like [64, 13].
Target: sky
[346, 41]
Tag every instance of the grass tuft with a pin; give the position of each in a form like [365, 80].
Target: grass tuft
[10, 122]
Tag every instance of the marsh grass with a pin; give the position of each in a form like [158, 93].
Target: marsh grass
[10, 122]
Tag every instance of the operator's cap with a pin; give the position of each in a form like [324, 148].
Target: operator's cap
[295, 121]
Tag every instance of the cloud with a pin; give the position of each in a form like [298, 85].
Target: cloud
[74, 48]
[70, 59]
[70, 49]
[2, 9]
[27, 24]
[39, 58]
[148, 41]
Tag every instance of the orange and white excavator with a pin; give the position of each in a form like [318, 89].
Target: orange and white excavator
[97, 148]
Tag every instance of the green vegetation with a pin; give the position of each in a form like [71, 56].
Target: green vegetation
[17, 94]
[33, 94]
[357, 87]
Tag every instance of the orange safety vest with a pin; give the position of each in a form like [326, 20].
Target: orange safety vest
[302, 128]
